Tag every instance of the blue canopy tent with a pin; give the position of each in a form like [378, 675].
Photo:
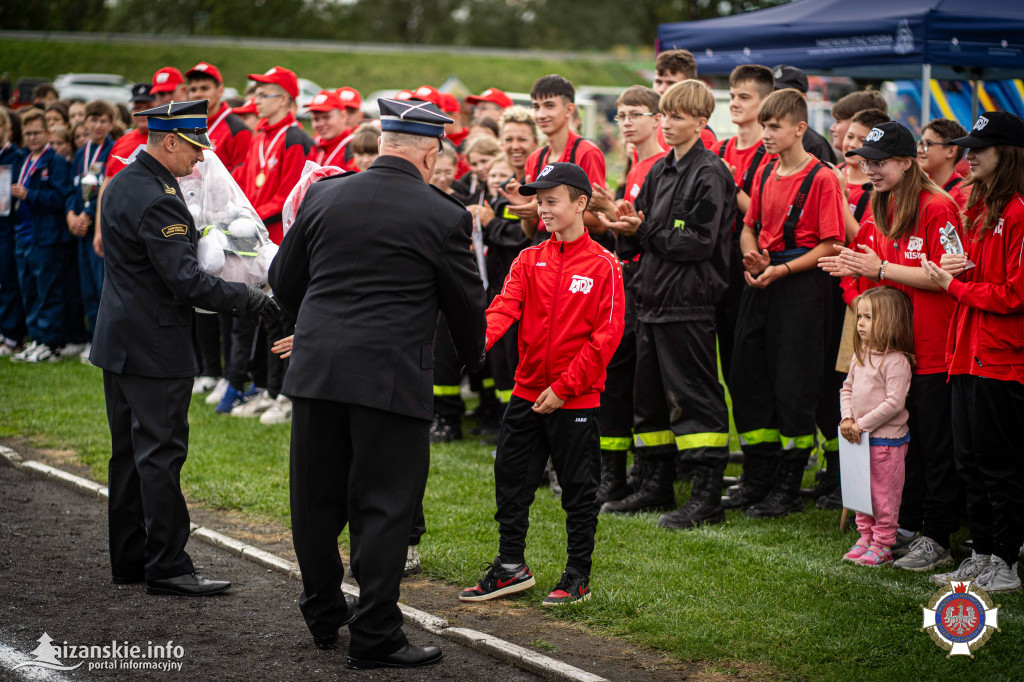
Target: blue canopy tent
[950, 39]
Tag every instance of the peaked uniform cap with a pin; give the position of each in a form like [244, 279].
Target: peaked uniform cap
[413, 117]
[187, 119]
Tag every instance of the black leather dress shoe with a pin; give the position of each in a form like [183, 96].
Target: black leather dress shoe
[188, 585]
[408, 656]
[328, 641]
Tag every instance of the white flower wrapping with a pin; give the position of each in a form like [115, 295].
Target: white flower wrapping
[234, 244]
[311, 172]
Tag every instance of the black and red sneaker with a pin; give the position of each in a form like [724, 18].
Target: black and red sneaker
[498, 582]
[572, 588]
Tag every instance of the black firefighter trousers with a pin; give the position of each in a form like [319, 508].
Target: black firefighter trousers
[525, 440]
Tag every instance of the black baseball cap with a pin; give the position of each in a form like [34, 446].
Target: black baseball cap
[559, 173]
[790, 77]
[994, 128]
[887, 140]
[141, 93]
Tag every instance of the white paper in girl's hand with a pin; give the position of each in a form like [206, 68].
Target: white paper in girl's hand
[855, 473]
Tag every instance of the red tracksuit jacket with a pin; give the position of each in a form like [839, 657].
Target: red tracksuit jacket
[568, 299]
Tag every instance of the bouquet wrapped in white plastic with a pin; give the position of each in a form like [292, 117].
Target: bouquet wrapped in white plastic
[234, 244]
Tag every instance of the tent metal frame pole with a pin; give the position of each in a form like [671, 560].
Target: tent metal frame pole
[926, 94]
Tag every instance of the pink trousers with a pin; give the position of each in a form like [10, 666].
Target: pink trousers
[887, 472]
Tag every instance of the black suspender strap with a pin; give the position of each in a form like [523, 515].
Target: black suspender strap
[862, 203]
[721, 149]
[748, 177]
[541, 160]
[796, 209]
[953, 182]
[572, 152]
[760, 206]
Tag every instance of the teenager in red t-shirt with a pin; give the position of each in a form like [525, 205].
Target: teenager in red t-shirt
[986, 353]
[639, 121]
[938, 157]
[744, 154]
[910, 211]
[776, 371]
[553, 106]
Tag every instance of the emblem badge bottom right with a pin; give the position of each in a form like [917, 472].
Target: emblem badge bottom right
[960, 618]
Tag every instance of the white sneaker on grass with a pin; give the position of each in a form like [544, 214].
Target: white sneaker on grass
[42, 353]
[7, 346]
[998, 577]
[203, 384]
[925, 555]
[84, 355]
[25, 352]
[254, 405]
[70, 349]
[279, 413]
[969, 569]
[218, 392]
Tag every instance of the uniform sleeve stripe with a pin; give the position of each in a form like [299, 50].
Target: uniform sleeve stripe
[611, 314]
[1021, 252]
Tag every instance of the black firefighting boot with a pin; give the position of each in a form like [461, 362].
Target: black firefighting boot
[613, 476]
[656, 491]
[784, 498]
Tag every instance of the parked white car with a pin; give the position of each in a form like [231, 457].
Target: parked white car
[90, 86]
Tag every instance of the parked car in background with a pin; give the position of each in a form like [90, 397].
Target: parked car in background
[90, 86]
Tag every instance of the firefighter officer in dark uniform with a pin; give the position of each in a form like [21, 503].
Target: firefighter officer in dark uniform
[143, 343]
[366, 266]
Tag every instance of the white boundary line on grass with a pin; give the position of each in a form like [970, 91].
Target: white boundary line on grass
[529, 660]
[11, 658]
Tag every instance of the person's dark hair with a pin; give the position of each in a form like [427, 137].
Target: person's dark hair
[198, 76]
[156, 137]
[235, 102]
[676, 61]
[125, 115]
[850, 104]
[486, 122]
[639, 96]
[364, 140]
[72, 100]
[1006, 182]
[44, 90]
[60, 109]
[553, 86]
[761, 76]
[869, 118]
[782, 103]
[945, 129]
[101, 107]
[16, 137]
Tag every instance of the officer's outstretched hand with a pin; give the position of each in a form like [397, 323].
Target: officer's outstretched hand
[263, 305]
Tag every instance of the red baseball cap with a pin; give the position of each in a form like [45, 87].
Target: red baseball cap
[166, 80]
[449, 103]
[428, 93]
[325, 100]
[278, 75]
[204, 69]
[492, 95]
[248, 108]
[404, 95]
[350, 97]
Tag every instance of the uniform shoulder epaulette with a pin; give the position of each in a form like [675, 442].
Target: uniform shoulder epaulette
[447, 196]
[336, 177]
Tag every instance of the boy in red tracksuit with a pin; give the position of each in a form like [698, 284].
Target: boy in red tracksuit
[567, 296]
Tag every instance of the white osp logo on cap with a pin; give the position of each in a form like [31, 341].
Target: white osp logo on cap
[547, 169]
[423, 91]
[272, 71]
[162, 77]
[319, 99]
[875, 135]
[981, 123]
[487, 93]
[778, 73]
[201, 67]
[347, 94]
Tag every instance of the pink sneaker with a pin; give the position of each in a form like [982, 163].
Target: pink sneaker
[857, 551]
[876, 556]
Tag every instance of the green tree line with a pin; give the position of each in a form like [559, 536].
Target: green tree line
[547, 24]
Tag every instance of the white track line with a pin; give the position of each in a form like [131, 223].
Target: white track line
[521, 657]
[11, 657]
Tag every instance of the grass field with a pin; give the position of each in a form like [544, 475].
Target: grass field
[767, 592]
[365, 72]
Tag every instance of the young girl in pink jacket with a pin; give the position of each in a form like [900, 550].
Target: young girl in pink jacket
[872, 399]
